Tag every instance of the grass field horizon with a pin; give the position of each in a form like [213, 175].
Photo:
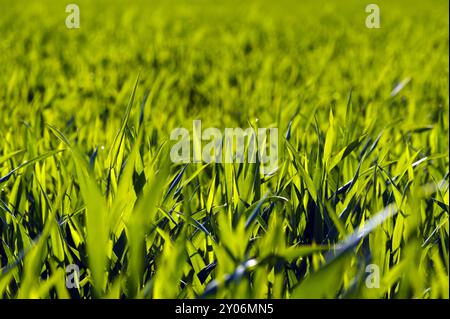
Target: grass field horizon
[357, 207]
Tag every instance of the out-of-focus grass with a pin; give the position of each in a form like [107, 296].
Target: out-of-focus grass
[363, 173]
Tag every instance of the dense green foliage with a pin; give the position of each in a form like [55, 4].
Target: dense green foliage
[85, 178]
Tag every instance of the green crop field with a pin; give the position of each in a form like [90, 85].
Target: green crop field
[92, 206]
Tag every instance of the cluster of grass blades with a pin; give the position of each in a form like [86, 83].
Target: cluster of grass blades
[362, 177]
